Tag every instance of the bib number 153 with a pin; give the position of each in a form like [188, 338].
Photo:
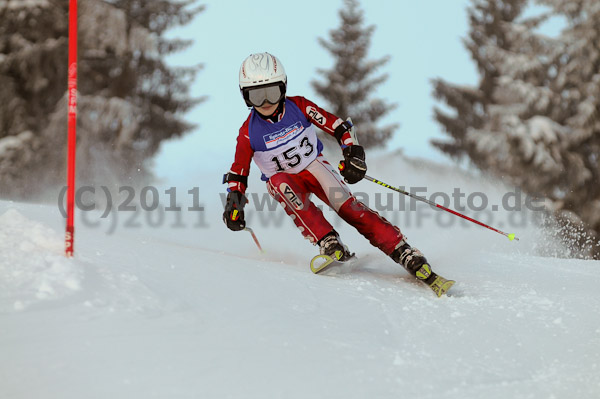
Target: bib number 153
[292, 156]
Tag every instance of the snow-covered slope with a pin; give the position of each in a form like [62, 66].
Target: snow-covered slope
[197, 312]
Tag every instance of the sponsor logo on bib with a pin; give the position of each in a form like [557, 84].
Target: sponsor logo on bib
[283, 136]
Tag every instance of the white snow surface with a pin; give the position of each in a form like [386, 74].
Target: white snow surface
[165, 312]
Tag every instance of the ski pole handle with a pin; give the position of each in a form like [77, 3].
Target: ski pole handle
[511, 236]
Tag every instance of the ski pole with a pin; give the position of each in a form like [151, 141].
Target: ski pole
[510, 236]
[248, 229]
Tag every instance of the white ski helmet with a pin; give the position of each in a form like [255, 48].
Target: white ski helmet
[262, 71]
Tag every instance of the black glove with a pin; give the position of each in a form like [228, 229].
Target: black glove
[353, 168]
[234, 211]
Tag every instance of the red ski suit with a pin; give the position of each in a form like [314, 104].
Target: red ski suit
[295, 169]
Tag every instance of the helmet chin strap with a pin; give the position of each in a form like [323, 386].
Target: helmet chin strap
[277, 114]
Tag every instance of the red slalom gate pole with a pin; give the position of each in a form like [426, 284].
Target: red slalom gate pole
[72, 128]
[510, 236]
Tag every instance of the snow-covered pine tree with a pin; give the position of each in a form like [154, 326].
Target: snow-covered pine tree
[129, 99]
[575, 107]
[350, 84]
[33, 62]
[139, 99]
[538, 127]
[487, 22]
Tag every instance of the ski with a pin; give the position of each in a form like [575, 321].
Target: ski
[320, 263]
[438, 284]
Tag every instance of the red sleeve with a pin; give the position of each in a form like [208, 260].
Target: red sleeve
[324, 120]
[243, 157]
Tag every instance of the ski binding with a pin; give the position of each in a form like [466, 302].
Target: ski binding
[441, 285]
[438, 284]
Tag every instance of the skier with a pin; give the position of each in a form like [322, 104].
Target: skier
[280, 135]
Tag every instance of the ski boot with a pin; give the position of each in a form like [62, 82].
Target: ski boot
[332, 246]
[331, 250]
[416, 264]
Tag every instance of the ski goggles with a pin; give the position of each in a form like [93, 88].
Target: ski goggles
[257, 96]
